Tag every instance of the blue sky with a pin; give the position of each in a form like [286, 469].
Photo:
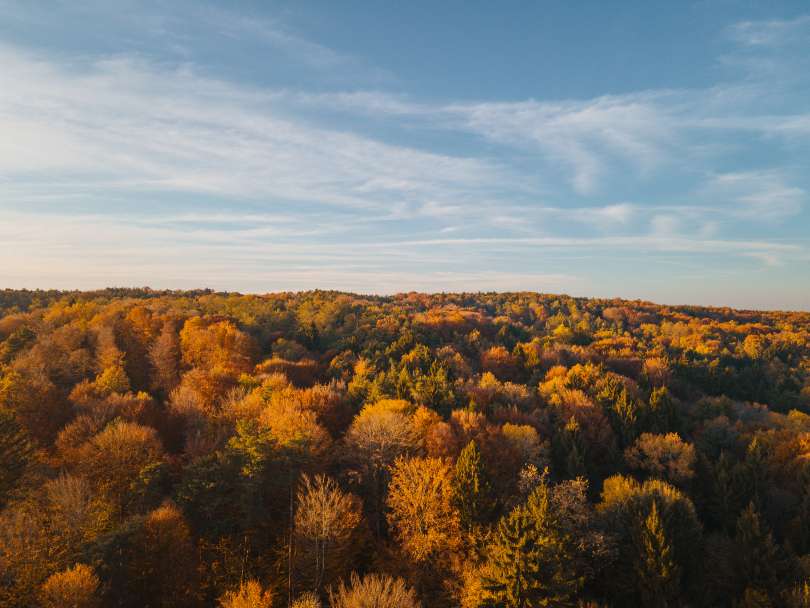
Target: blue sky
[654, 150]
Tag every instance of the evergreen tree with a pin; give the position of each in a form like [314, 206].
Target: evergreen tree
[662, 416]
[530, 561]
[625, 415]
[656, 568]
[572, 450]
[515, 578]
[751, 476]
[758, 559]
[722, 504]
[799, 527]
[472, 493]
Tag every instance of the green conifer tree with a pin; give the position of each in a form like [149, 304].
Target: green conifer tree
[472, 493]
[530, 559]
[656, 568]
[757, 554]
[625, 415]
[662, 416]
[722, 504]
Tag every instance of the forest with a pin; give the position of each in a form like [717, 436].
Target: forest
[323, 449]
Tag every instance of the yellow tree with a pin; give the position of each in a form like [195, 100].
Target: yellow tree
[379, 434]
[420, 499]
[76, 587]
[165, 566]
[113, 459]
[249, 595]
[663, 456]
[373, 590]
[219, 345]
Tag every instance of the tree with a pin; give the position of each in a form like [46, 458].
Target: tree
[112, 379]
[164, 355]
[76, 514]
[114, 458]
[571, 449]
[526, 441]
[378, 435]
[721, 503]
[662, 416]
[28, 553]
[250, 594]
[39, 407]
[420, 500]
[76, 587]
[799, 596]
[326, 520]
[530, 559]
[373, 591]
[626, 511]
[758, 560]
[666, 457]
[307, 600]
[16, 453]
[625, 416]
[472, 493]
[165, 566]
[655, 566]
[218, 345]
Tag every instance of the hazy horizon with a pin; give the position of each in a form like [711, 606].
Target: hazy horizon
[654, 151]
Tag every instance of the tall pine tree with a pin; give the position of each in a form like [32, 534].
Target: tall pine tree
[530, 562]
[655, 565]
[472, 493]
[758, 560]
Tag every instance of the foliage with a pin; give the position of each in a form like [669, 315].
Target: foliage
[471, 489]
[168, 449]
[76, 587]
[249, 595]
[420, 499]
[373, 591]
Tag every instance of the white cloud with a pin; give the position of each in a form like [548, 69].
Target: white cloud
[587, 137]
[767, 258]
[131, 125]
[760, 195]
[774, 32]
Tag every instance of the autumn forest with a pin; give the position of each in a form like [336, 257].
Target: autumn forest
[322, 449]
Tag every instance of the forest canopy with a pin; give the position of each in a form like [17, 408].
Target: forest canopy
[172, 449]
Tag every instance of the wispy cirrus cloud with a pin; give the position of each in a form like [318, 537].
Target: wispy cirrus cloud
[771, 32]
[761, 195]
[126, 124]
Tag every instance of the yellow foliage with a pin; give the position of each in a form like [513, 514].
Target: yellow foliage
[249, 595]
[76, 587]
[422, 514]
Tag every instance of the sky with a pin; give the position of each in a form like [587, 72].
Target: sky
[653, 150]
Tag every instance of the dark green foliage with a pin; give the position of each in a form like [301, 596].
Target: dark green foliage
[530, 560]
[660, 545]
[662, 416]
[472, 493]
[757, 557]
[658, 574]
